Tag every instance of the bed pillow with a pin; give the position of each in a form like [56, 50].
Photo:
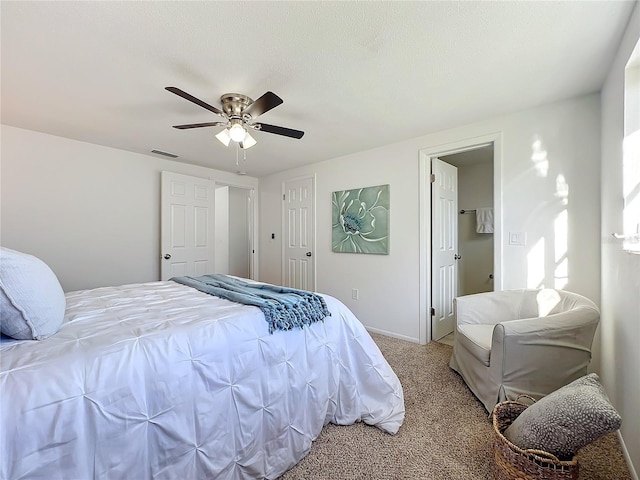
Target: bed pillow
[566, 420]
[32, 302]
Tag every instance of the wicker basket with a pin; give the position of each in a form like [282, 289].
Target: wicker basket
[513, 463]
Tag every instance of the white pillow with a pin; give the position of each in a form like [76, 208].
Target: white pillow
[32, 302]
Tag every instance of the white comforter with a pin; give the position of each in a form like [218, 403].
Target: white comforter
[161, 381]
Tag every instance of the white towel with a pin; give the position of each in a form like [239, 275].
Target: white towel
[484, 220]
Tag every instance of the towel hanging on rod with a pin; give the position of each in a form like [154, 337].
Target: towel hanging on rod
[484, 220]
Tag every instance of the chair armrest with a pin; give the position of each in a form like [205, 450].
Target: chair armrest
[488, 308]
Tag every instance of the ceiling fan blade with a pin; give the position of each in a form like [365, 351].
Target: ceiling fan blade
[198, 125]
[287, 132]
[265, 103]
[195, 100]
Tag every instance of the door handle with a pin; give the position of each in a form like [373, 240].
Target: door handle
[457, 257]
[167, 256]
[308, 254]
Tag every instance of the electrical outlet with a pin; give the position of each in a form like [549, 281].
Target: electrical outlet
[355, 294]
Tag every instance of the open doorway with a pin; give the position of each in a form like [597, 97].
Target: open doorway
[462, 235]
[475, 241]
[234, 231]
[476, 257]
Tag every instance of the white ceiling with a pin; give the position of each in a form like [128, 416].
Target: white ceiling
[482, 154]
[353, 75]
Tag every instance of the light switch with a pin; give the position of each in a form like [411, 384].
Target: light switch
[518, 238]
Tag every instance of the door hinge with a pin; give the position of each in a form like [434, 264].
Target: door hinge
[284, 196]
[433, 312]
[433, 178]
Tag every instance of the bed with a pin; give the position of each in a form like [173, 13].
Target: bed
[159, 380]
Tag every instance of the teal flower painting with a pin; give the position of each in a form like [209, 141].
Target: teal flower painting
[360, 220]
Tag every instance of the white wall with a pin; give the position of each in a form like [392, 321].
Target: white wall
[569, 133]
[91, 212]
[620, 325]
[388, 284]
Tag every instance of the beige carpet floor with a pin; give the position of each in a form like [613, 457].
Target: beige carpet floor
[446, 433]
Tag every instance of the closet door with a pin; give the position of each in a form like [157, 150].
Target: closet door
[299, 222]
[187, 226]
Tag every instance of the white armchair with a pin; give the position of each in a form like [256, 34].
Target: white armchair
[522, 342]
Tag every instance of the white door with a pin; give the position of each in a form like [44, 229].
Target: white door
[187, 225]
[444, 246]
[299, 222]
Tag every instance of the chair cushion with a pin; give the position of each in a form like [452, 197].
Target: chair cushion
[32, 302]
[566, 420]
[477, 339]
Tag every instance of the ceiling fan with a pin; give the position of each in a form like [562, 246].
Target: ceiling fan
[239, 113]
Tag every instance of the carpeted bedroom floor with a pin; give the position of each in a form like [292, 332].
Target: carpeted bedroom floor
[446, 433]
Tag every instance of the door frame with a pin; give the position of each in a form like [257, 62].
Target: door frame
[425, 155]
[283, 232]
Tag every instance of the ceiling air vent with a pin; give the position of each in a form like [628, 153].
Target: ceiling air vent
[166, 154]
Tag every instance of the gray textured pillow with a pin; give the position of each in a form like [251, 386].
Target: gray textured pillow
[32, 302]
[566, 420]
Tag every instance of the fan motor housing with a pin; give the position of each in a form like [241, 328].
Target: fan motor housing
[234, 103]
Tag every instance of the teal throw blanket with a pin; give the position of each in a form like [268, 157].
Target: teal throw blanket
[284, 308]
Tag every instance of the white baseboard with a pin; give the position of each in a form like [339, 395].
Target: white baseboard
[393, 335]
[632, 470]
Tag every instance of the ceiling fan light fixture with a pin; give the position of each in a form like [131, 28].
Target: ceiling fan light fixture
[239, 112]
[224, 137]
[248, 141]
[237, 131]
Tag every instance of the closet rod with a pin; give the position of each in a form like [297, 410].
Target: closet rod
[467, 211]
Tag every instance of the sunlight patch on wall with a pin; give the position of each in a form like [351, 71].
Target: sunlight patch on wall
[631, 192]
[560, 230]
[535, 265]
[562, 189]
[631, 154]
[548, 259]
[547, 300]
[539, 158]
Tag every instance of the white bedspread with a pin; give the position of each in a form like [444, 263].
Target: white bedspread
[161, 381]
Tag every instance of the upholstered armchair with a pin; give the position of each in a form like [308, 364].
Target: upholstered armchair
[522, 342]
